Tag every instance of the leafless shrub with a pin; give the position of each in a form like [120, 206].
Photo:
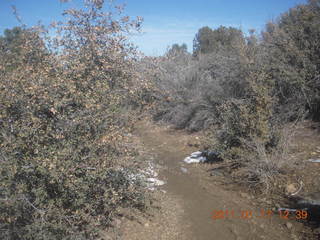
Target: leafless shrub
[263, 165]
[196, 87]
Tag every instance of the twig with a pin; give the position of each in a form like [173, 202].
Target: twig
[39, 210]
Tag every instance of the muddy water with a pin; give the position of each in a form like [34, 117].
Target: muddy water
[199, 202]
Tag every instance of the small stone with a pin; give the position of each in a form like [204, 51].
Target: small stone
[146, 224]
[184, 170]
[289, 225]
[117, 222]
[291, 188]
[217, 172]
[245, 195]
[107, 237]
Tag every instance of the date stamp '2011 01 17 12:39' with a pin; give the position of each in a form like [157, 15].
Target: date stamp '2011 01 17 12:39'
[263, 213]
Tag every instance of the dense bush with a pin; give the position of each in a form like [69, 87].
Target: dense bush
[194, 88]
[287, 51]
[247, 87]
[65, 164]
[293, 60]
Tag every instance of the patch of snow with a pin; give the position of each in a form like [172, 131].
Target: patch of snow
[149, 171]
[203, 157]
[148, 176]
[155, 182]
[196, 154]
[314, 160]
[194, 160]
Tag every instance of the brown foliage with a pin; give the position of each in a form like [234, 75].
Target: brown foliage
[64, 158]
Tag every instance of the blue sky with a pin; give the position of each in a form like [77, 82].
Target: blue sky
[165, 22]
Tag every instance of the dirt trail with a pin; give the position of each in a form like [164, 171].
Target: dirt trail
[195, 201]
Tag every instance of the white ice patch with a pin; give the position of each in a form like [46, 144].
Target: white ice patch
[149, 171]
[148, 176]
[314, 160]
[196, 154]
[155, 182]
[194, 160]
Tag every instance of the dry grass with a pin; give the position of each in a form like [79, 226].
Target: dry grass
[263, 166]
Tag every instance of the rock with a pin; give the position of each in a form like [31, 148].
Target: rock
[193, 145]
[184, 170]
[107, 237]
[211, 156]
[312, 199]
[291, 188]
[217, 172]
[117, 222]
[245, 195]
[266, 201]
[310, 203]
[146, 224]
[289, 225]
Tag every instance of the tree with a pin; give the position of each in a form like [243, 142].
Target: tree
[208, 40]
[203, 41]
[177, 49]
[15, 47]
